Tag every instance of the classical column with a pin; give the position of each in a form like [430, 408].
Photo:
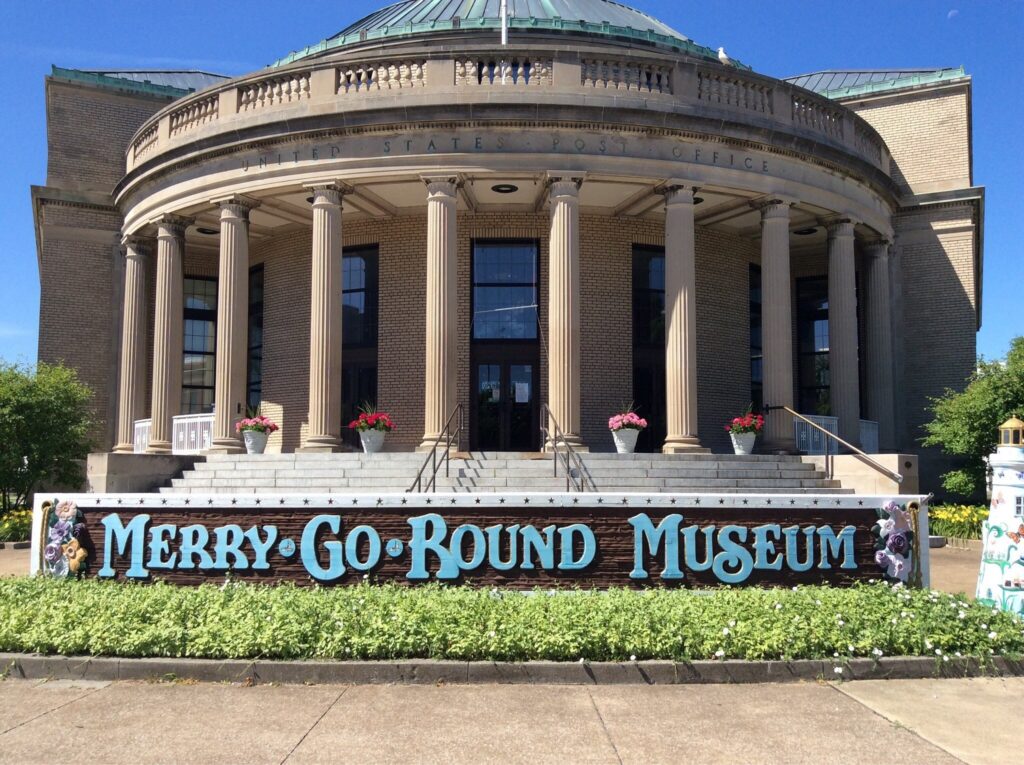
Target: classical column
[133, 343]
[844, 372]
[564, 305]
[680, 321]
[777, 324]
[879, 359]
[168, 330]
[441, 395]
[232, 321]
[325, 322]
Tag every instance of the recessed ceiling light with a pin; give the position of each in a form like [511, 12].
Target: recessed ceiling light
[504, 188]
[309, 199]
[207, 231]
[805, 231]
[698, 200]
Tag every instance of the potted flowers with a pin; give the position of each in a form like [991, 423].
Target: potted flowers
[743, 431]
[372, 426]
[255, 431]
[625, 428]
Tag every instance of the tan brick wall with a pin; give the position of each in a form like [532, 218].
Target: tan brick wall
[928, 134]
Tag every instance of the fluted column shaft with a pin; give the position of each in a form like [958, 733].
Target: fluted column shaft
[168, 331]
[232, 322]
[324, 433]
[441, 395]
[680, 322]
[844, 372]
[777, 325]
[880, 388]
[564, 307]
[133, 344]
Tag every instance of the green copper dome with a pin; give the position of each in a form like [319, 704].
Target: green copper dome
[601, 18]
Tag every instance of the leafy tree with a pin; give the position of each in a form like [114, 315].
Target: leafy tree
[44, 425]
[967, 423]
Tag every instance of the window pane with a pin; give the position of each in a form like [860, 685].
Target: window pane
[507, 313]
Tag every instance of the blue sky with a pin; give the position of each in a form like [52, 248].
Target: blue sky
[779, 39]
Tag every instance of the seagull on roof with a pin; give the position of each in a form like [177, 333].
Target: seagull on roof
[724, 57]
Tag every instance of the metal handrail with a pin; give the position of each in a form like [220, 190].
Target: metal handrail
[898, 478]
[571, 458]
[449, 438]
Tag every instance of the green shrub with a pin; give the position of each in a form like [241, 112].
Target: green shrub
[960, 521]
[461, 623]
[16, 526]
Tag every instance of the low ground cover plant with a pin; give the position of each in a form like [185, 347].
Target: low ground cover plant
[959, 521]
[16, 526]
[463, 623]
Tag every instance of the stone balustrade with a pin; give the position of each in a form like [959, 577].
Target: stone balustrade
[728, 89]
[701, 88]
[273, 91]
[385, 75]
[626, 75]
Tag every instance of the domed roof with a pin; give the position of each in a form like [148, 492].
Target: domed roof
[594, 17]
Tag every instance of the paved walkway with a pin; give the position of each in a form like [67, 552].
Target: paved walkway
[938, 722]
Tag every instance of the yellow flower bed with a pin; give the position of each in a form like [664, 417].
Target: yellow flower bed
[963, 521]
[16, 526]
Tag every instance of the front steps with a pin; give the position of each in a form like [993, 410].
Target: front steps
[502, 472]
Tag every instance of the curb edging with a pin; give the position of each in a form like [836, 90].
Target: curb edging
[428, 672]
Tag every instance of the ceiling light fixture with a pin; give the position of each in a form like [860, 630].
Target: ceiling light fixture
[207, 231]
[504, 188]
[698, 200]
[805, 231]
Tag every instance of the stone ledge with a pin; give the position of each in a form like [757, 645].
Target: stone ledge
[427, 672]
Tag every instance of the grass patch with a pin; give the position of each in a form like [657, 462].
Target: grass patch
[462, 623]
[957, 521]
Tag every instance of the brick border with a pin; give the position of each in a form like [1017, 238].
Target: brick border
[415, 672]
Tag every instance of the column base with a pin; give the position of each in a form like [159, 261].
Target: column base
[226, 446]
[320, 445]
[573, 440]
[124, 449]
[429, 443]
[683, 445]
[160, 447]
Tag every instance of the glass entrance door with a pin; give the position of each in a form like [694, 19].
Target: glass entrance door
[506, 414]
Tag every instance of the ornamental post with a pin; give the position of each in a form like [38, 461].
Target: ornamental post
[844, 370]
[133, 343]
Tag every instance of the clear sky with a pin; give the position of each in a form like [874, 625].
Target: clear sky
[781, 38]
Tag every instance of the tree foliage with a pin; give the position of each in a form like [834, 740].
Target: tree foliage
[967, 423]
[44, 426]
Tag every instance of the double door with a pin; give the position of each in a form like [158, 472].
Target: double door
[506, 413]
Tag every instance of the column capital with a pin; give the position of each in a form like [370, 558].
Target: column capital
[840, 226]
[442, 185]
[773, 206]
[564, 184]
[170, 224]
[135, 244]
[239, 204]
[328, 193]
[879, 246]
[676, 192]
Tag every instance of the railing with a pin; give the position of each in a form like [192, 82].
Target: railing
[626, 75]
[145, 142]
[810, 112]
[513, 70]
[192, 433]
[575, 472]
[829, 471]
[194, 114]
[140, 440]
[730, 90]
[869, 436]
[811, 441]
[448, 437]
[273, 90]
[385, 75]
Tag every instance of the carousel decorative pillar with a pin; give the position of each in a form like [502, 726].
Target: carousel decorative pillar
[441, 395]
[777, 324]
[232, 322]
[844, 371]
[1000, 580]
[681, 321]
[324, 433]
[564, 306]
[880, 390]
[133, 343]
[168, 330]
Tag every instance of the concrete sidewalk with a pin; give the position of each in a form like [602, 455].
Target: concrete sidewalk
[937, 722]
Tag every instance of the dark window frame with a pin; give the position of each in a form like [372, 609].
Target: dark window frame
[808, 315]
[254, 352]
[756, 334]
[473, 284]
[197, 314]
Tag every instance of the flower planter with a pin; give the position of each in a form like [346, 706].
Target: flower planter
[743, 443]
[625, 440]
[255, 441]
[372, 440]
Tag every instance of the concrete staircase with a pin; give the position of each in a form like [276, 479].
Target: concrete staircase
[502, 472]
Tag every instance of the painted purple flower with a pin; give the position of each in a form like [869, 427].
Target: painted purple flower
[78, 530]
[882, 558]
[53, 553]
[60, 531]
[891, 507]
[897, 543]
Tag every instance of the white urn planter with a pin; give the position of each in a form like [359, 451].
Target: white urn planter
[743, 443]
[372, 440]
[625, 440]
[255, 441]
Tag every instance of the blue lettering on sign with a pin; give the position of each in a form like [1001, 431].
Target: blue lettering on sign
[132, 536]
[665, 535]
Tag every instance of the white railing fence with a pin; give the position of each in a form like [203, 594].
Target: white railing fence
[811, 441]
[190, 434]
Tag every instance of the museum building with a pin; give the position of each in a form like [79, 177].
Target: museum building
[417, 213]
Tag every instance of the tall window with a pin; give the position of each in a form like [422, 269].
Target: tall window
[756, 349]
[505, 291]
[813, 345]
[359, 299]
[649, 344]
[197, 382]
[254, 375]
